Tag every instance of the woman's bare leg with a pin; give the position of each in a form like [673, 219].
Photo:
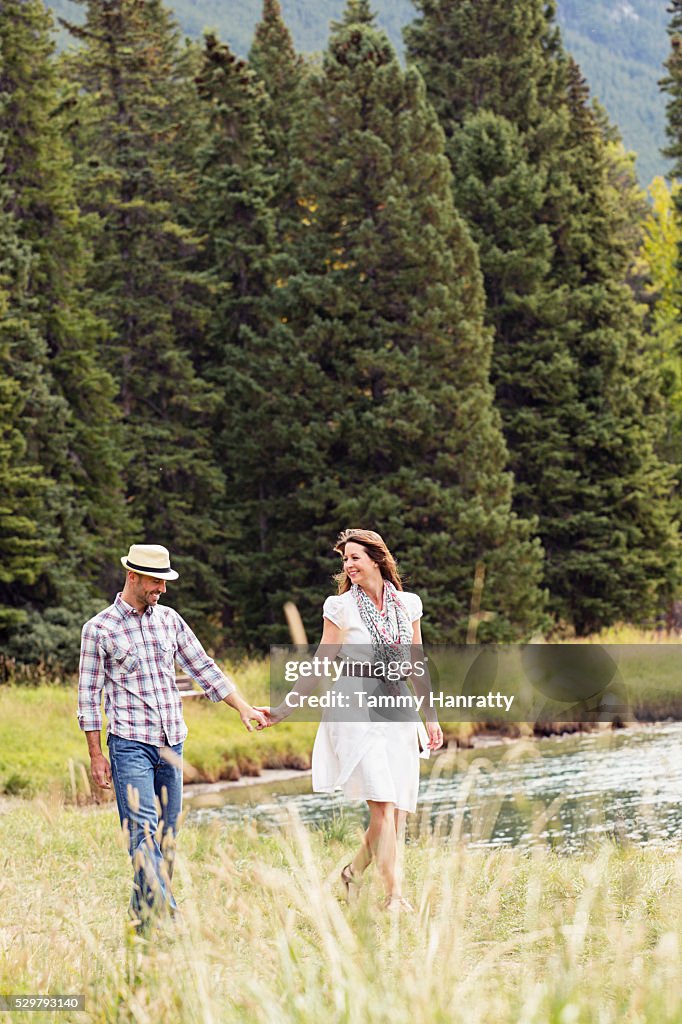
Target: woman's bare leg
[379, 842]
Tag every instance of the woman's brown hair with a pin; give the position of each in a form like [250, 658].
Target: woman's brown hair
[375, 546]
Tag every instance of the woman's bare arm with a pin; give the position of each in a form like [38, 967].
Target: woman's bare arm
[329, 647]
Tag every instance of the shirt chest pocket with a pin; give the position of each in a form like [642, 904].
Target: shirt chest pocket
[165, 652]
[124, 659]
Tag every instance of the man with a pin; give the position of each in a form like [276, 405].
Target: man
[130, 650]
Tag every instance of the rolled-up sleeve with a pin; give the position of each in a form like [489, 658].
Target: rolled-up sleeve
[192, 657]
[90, 681]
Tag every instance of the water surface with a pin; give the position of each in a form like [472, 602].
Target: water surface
[568, 792]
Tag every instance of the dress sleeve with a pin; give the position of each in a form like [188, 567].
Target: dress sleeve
[332, 609]
[415, 609]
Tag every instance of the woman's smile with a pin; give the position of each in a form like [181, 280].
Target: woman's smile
[357, 563]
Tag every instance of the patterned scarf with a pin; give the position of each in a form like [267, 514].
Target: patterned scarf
[391, 633]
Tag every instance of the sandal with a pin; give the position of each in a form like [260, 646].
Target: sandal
[398, 904]
[348, 878]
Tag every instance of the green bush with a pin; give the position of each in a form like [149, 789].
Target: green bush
[49, 641]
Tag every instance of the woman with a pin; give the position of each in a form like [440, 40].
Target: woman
[371, 619]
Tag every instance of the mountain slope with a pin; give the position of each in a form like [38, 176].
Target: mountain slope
[620, 46]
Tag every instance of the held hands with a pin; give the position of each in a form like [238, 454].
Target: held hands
[273, 715]
[246, 712]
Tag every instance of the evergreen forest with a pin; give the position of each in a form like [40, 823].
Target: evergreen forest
[250, 299]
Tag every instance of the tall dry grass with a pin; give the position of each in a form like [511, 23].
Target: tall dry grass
[504, 936]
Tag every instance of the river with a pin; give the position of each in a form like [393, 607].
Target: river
[566, 792]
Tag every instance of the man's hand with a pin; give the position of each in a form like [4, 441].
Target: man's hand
[246, 712]
[101, 770]
[249, 715]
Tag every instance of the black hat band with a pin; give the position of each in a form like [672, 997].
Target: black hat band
[147, 568]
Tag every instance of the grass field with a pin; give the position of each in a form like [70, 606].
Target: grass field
[500, 936]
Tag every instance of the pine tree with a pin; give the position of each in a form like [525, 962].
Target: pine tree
[549, 260]
[503, 58]
[625, 561]
[133, 132]
[27, 532]
[249, 356]
[388, 302]
[662, 248]
[502, 195]
[73, 435]
[282, 71]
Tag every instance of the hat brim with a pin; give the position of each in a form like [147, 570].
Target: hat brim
[156, 574]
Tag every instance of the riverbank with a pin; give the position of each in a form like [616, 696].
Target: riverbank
[42, 750]
[498, 935]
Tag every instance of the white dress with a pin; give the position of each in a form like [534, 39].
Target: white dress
[368, 760]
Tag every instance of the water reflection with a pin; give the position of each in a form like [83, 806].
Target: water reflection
[565, 792]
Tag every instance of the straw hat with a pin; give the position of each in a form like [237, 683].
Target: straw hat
[149, 560]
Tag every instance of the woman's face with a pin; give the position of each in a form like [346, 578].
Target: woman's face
[358, 566]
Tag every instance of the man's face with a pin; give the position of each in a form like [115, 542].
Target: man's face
[147, 589]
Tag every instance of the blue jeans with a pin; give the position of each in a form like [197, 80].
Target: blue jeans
[149, 796]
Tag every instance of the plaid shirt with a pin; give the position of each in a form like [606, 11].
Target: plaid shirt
[132, 657]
